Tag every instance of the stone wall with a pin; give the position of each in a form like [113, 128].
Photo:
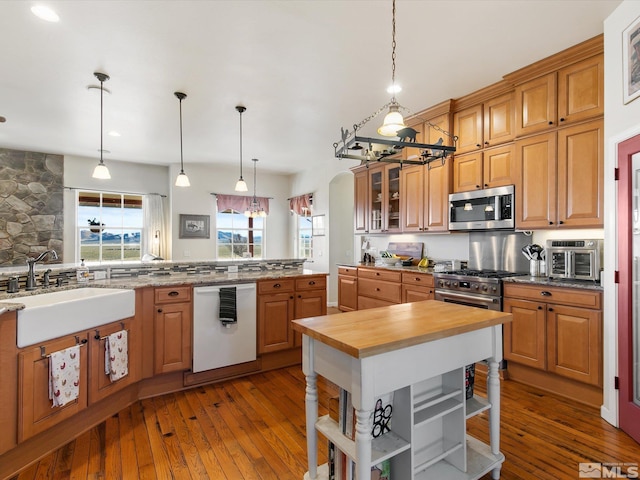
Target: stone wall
[31, 205]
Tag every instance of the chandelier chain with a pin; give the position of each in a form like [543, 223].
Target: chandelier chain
[393, 51]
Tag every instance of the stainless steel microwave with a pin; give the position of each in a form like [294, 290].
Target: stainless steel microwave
[488, 209]
[574, 259]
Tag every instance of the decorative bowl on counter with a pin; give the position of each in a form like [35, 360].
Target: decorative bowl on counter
[390, 260]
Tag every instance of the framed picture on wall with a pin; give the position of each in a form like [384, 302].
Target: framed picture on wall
[631, 61]
[194, 226]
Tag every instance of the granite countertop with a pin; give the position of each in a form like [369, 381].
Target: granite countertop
[554, 282]
[11, 301]
[393, 268]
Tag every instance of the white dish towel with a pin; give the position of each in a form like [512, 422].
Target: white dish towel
[64, 376]
[116, 355]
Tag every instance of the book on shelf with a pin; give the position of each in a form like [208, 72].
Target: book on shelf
[347, 415]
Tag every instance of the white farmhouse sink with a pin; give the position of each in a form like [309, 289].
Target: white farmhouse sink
[52, 315]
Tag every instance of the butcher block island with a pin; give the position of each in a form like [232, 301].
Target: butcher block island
[412, 356]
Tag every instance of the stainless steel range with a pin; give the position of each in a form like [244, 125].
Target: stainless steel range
[492, 257]
[475, 288]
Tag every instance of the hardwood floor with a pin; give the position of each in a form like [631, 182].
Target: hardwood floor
[254, 428]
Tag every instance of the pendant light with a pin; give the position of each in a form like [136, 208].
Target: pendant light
[393, 121]
[241, 185]
[181, 180]
[255, 210]
[101, 171]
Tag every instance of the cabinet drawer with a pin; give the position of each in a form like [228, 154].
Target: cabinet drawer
[565, 296]
[388, 291]
[365, 302]
[350, 271]
[423, 279]
[311, 283]
[276, 286]
[173, 294]
[380, 274]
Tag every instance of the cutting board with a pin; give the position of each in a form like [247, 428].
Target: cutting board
[406, 249]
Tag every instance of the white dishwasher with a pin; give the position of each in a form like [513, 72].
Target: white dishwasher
[217, 345]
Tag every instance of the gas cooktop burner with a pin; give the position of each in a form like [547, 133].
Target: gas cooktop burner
[483, 273]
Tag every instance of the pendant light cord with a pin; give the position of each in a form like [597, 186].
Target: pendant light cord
[240, 143]
[181, 160]
[101, 109]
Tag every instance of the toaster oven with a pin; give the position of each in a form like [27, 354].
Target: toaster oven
[574, 259]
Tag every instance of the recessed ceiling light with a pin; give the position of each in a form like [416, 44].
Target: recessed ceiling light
[395, 88]
[45, 13]
[97, 87]
[113, 133]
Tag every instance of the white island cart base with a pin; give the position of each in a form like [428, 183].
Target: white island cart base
[428, 438]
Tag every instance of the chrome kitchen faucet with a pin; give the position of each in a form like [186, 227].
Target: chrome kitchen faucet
[31, 263]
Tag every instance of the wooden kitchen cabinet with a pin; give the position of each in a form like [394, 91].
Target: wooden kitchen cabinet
[378, 288]
[425, 197]
[347, 289]
[493, 167]
[558, 331]
[280, 302]
[361, 200]
[417, 287]
[571, 94]
[310, 301]
[173, 320]
[35, 413]
[485, 125]
[384, 198]
[100, 386]
[560, 178]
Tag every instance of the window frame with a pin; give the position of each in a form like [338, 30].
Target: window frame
[250, 229]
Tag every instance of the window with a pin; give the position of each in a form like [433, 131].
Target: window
[239, 236]
[305, 237]
[109, 226]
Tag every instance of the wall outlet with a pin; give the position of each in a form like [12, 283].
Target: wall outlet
[186, 253]
[232, 269]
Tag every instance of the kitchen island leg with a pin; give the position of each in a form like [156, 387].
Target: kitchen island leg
[493, 391]
[311, 407]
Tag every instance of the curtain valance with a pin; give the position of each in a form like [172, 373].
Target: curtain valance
[239, 203]
[301, 204]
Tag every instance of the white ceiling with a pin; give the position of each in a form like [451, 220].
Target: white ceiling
[303, 69]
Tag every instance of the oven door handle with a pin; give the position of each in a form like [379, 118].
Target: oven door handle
[467, 298]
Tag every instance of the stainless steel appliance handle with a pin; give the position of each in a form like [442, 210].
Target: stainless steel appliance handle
[482, 301]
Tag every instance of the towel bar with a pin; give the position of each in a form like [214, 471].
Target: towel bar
[43, 350]
[98, 337]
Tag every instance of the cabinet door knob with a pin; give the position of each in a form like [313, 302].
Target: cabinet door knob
[544, 293]
[486, 185]
[478, 145]
[560, 222]
[550, 309]
[550, 122]
[377, 289]
[539, 307]
[562, 119]
[159, 310]
[291, 297]
[299, 296]
[486, 143]
[550, 223]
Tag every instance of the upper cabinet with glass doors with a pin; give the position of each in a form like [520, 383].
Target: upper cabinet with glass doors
[384, 198]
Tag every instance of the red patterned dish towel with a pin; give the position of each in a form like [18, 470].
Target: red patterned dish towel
[116, 355]
[64, 376]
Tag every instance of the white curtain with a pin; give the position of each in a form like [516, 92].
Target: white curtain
[155, 222]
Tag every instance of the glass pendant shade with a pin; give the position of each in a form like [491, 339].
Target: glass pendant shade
[393, 122]
[182, 180]
[101, 172]
[241, 185]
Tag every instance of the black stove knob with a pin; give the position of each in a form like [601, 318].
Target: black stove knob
[447, 283]
[484, 288]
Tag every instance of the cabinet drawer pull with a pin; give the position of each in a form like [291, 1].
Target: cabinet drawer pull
[299, 296]
[377, 273]
[417, 279]
[312, 282]
[291, 297]
[276, 285]
[173, 293]
[544, 293]
[539, 307]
